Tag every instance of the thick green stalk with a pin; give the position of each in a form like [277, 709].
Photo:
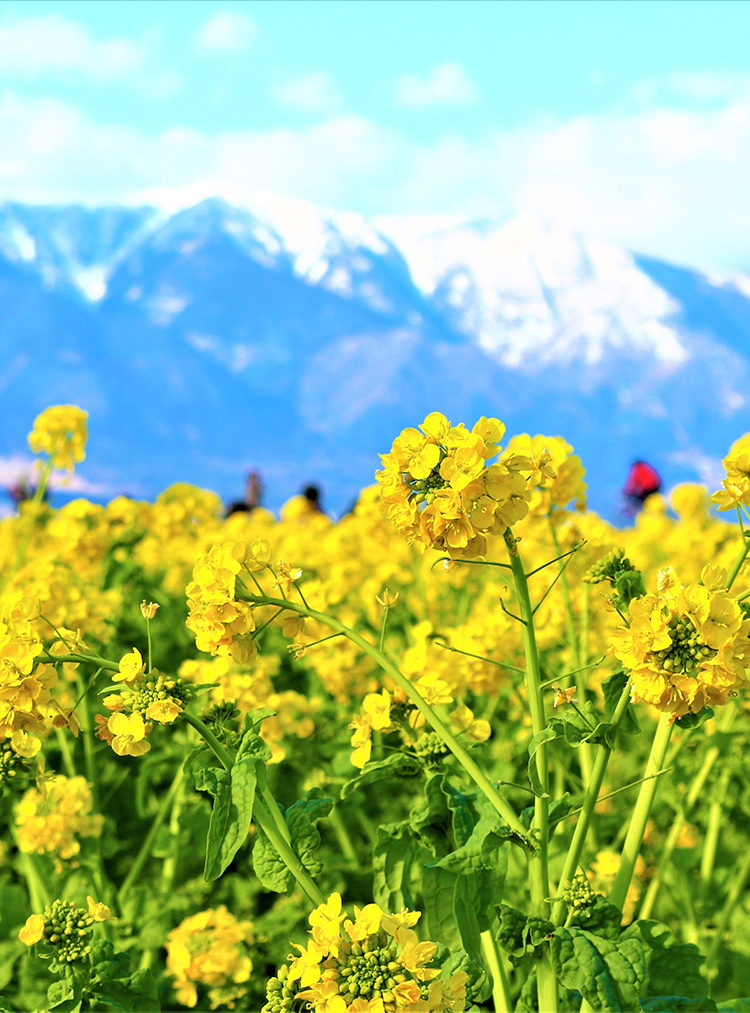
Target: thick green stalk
[575, 850]
[684, 814]
[94, 659]
[500, 987]
[641, 812]
[268, 819]
[538, 872]
[480, 779]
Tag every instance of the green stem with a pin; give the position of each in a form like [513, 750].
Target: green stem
[148, 634]
[494, 797]
[573, 858]
[741, 557]
[87, 733]
[641, 813]
[711, 843]
[67, 755]
[268, 819]
[37, 890]
[92, 659]
[538, 871]
[726, 913]
[145, 850]
[342, 836]
[500, 986]
[684, 814]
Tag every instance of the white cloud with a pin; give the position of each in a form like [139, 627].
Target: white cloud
[447, 85]
[226, 32]
[665, 181]
[316, 92]
[32, 47]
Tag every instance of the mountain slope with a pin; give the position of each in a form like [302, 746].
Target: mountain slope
[300, 341]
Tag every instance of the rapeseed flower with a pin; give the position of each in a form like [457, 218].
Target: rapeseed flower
[52, 821]
[438, 490]
[210, 948]
[60, 432]
[686, 646]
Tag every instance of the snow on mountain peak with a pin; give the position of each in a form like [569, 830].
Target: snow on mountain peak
[536, 292]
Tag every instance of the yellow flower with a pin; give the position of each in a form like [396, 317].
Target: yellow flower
[148, 609]
[53, 819]
[33, 930]
[98, 911]
[209, 948]
[129, 734]
[131, 667]
[61, 433]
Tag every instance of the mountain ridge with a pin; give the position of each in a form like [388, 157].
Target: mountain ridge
[216, 338]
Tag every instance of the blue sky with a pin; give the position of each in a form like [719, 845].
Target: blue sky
[629, 120]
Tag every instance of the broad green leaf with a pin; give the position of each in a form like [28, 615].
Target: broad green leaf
[432, 819]
[251, 744]
[601, 918]
[546, 735]
[463, 818]
[688, 721]
[65, 996]
[484, 849]
[678, 1004]
[300, 819]
[438, 887]
[135, 994]
[613, 687]
[305, 839]
[10, 951]
[395, 765]
[269, 868]
[466, 910]
[518, 935]
[479, 983]
[734, 1006]
[673, 968]
[609, 974]
[628, 584]
[391, 861]
[234, 796]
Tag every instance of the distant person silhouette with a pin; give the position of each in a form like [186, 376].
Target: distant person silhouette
[304, 507]
[253, 496]
[643, 480]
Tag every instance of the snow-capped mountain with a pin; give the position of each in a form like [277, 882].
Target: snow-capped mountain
[278, 335]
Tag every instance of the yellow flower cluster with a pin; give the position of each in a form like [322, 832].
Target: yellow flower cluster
[25, 702]
[439, 491]
[53, 819]
[687, 645]
[736, 486]
[60, 432]
[221, 624]
[557, 476]
[210, 948]
[143, 699]
[374, 964]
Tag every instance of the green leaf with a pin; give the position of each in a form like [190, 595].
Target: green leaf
[10, 951]
[734, 1006]
[65, 996]
[484, 849]
[672, 967]
[395, 765]
[580, 723]
[608, 974]
[234, 796]
[438, 888]
[300, 819]
[432, 820]
[546, 735]
[628, 584]
[270, 869]
[601, 918]
[518, 935]
[392, 857]
[688, 721]
[678, 1004]
[251, 744]
[135, 994]
[613, 687]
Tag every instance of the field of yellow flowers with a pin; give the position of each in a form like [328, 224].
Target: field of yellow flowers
[468, 748]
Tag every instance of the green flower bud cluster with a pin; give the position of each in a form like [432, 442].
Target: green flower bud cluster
[280, 995]
[67, 927]
[431, 749]
[608, 568]
[687, 649]
[578, 893]
[426, 487]
[11, 766]
[222, 719]
[156, 687]
[369, 969]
